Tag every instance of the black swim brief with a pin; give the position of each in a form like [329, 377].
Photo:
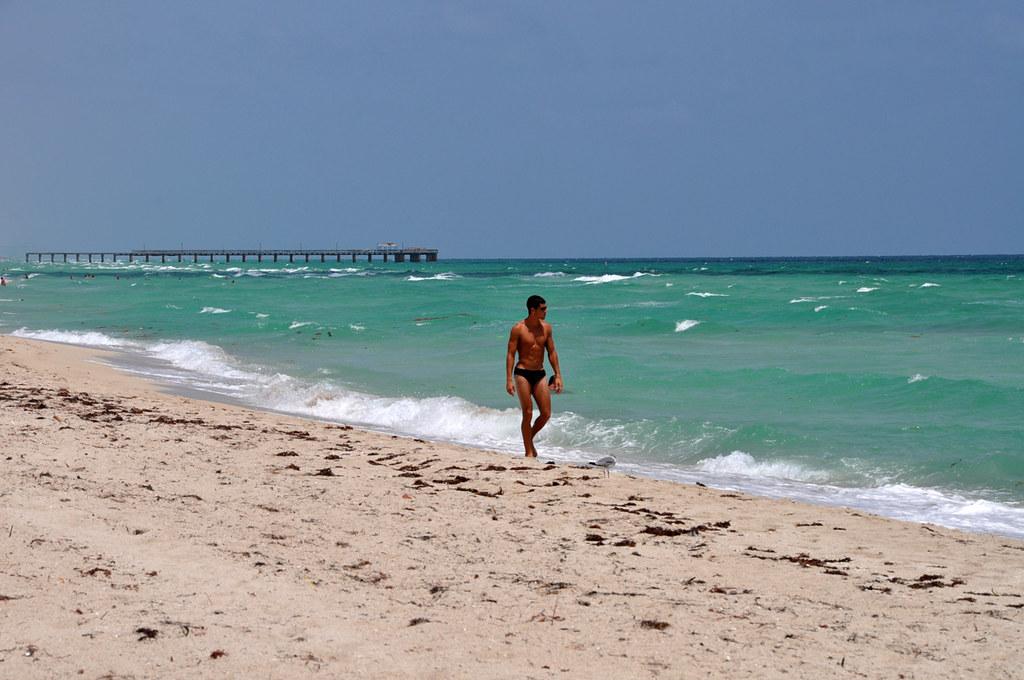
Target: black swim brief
[532, 377]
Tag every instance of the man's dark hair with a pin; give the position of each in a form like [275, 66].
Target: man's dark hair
[534, 301]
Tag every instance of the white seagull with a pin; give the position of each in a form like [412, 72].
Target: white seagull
[608, 462]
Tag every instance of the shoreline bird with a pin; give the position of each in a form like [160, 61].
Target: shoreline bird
[608, 462]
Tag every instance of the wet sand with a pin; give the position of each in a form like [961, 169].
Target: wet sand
[149, 535]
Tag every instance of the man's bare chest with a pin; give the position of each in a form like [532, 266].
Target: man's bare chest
[532, 339]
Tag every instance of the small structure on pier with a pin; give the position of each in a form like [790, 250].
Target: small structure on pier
[384, 250]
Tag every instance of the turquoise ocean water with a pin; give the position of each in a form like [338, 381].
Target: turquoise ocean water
[895, 385]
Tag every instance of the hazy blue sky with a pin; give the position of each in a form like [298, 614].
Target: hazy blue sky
[520, 129]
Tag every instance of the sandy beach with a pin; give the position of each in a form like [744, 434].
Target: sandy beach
[146, 535]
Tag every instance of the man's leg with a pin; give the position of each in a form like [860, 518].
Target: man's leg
[526, 404]
[543, 397]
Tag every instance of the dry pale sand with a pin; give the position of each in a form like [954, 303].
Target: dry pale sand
[147, 536]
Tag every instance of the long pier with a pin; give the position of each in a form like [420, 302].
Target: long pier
[324, 255]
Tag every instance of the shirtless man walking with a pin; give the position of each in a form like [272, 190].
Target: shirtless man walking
[530, 337]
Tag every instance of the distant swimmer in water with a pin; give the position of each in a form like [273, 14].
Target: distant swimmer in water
[530, 338]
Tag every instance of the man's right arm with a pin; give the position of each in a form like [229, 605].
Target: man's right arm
[510, 359]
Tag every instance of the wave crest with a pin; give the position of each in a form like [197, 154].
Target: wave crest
[87, 338]
[609, 278]
[744, 464]
[444, 276]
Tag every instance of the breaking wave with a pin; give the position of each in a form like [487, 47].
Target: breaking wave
[610, 278]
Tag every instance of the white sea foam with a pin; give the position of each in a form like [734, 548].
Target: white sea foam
[170, 306]
[820, 307]
[742, 463]
[261, 315]
[610, 278]
[917, 377]
[214, 310]
[685, 325]
[299, 324]
[87, 338]
[930, 285]
[816, 298]
[357, 327]
[707, 295]
[200, 357]
[543, 275]
[449, 418]
[736, 471]
[903, 501]
[349, 271]
[192, 355]
[445, 276]
[866, 289]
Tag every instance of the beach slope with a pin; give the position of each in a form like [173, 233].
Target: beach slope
[147, 535]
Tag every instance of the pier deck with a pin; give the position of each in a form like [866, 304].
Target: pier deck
[323, 255]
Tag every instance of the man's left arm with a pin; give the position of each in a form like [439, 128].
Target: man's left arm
[553, 358]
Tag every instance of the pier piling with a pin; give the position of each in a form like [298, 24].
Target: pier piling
[392, 254]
